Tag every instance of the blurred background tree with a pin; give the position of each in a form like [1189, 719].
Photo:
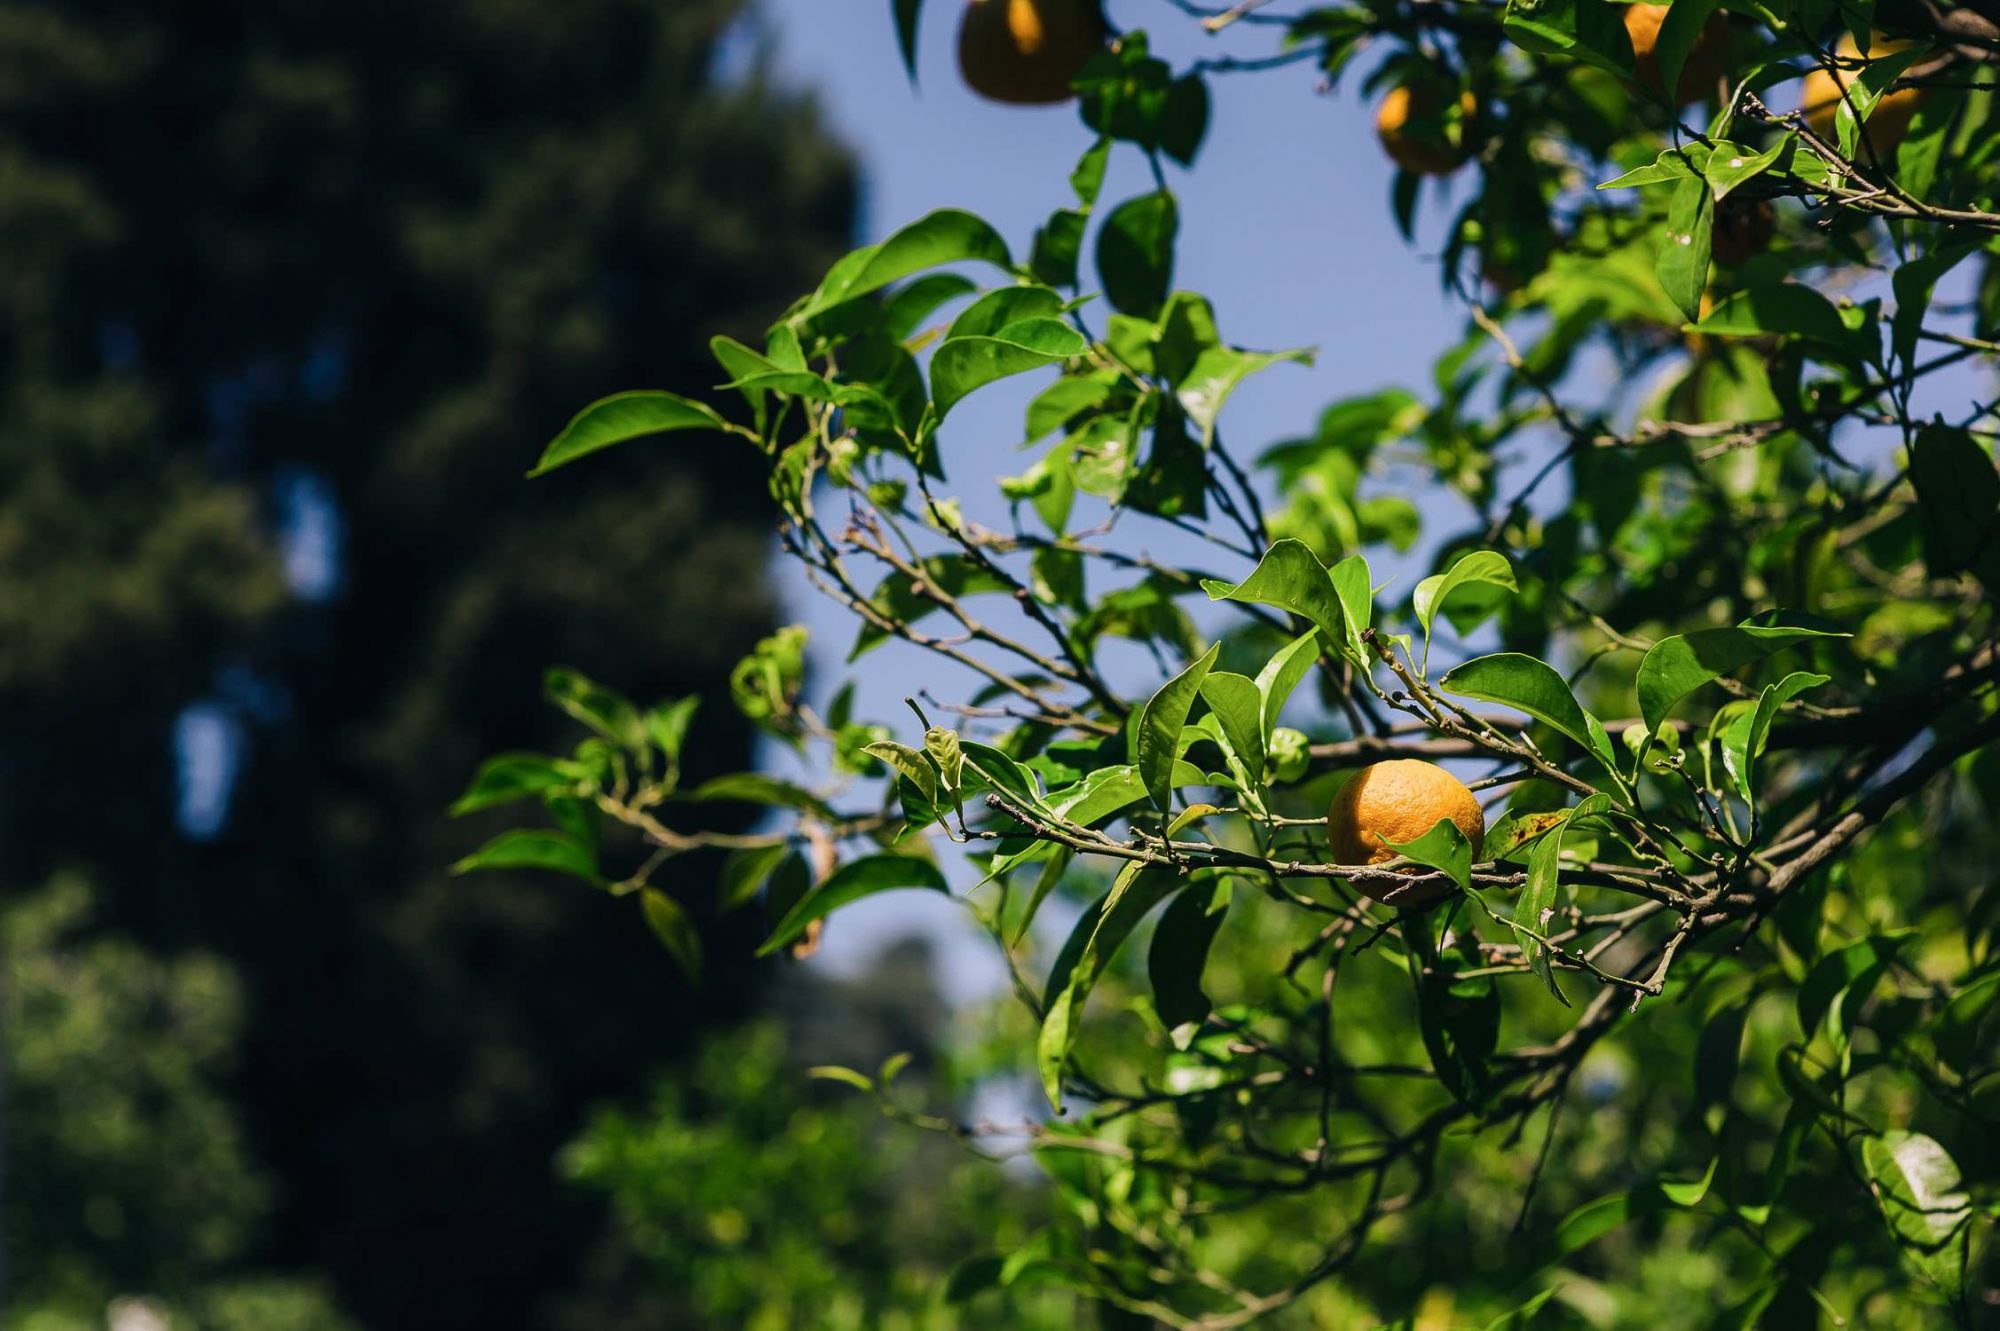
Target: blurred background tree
[294, 292]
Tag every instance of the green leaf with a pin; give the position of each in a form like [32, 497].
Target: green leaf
[1160, 725]
[963, 364]
[1852, 971]
[911, 763]
[946, 236]
[1788, 308]
[623, 416]
[1536, 906]
[1864, 94]
[1688, 1194]
[1444, 847]
[1002, 306]
[860, 1081]
[676, 932]
[667, 725]
[596, 706]
[1479, 566]
[1238, 707]
[1092, 944]
[1957, 1031]
[534, 848]
[1924, 1201]
[1179, 951]
[1458, 1019]
[1282, 673]
[756, 788]
[1593, 1220]
[908, 306]
[1290, 577]
[1135, 253]
[1098, 795]
[1678, 34]
[1958, 501]
[1683, 263]
[1356, 594]
[1677, 666]
[1214, 376]
[1672, 164]
[849, 883]
[745, 871]
[1524, 1315]
[1731, 164]
[1531, 686]
[1588, 30]
[1913, 283]
[507, 777]
[1718, 1054]
[1744, 741]
[906, 14]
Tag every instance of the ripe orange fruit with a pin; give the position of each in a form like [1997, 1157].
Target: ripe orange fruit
[1743, 227]
[1423, 130]
[1819, 98]
[1027, 52]
[1399, 800]
[1706, 63]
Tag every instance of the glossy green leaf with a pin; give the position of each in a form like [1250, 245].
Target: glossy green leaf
[1282, 673]
[1678, 34]
[1744, 741]
[1542, 893]
[1290, 577]
[1672, 164]
[534, 848]
[1958, 501]
[850, 883]
[1135, 253]
[1682, 266]
[946, 236]
[963, 364]
[1531, 686]
[1477, 567]
[1179, 951]
[1677, 666]
[1160, 724]
[1731, 164]
[1786, 308]
[1215, 375]
[1092, 944]
[624, 416]
[1864, 94]
[911, 763]
[1923, 1200]
[507, 777]
[1238, 707]
[1444, 848]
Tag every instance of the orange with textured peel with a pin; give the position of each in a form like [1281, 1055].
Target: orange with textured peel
[1424, 130]
[1399, 801]
[1027, 52]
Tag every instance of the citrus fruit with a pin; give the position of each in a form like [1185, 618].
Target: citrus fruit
[1027, 52]
[1424, 130]
[1399, 801]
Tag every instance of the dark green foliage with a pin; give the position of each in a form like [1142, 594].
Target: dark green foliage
[381, 251]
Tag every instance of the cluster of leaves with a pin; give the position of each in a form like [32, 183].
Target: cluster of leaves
[1740, 727]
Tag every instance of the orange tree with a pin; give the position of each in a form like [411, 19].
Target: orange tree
[1719, 976]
